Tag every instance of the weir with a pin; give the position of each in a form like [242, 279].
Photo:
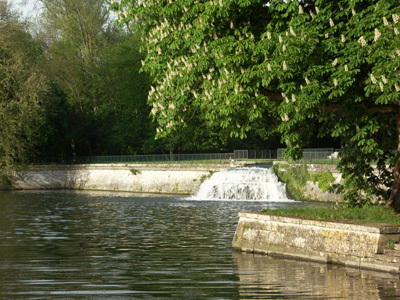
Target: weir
[243, 184]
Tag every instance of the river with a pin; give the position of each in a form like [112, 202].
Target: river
[100, 245]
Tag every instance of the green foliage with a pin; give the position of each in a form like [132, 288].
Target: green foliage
[135, 172]
[231, 61]
[391, 244]
[22, 88]
[4, 182]
[206, 177]
[372, 214]
[295, 177]
[324, 180]
[123, 114]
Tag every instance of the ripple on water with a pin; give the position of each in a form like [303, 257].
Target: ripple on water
[81, 245]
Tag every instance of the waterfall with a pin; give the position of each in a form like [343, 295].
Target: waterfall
[247, 183]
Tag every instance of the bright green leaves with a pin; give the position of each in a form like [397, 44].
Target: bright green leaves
[233, 61]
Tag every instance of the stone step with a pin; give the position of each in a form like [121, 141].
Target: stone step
[388, 258]
[397, 246]
[392, 252]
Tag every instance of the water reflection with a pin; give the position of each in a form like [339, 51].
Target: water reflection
[71, 245]
[267, 277]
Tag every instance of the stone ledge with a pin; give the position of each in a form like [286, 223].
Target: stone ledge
[349, 244]
[165, 179]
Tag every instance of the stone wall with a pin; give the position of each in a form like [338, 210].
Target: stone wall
[353, 245]
[155, 178]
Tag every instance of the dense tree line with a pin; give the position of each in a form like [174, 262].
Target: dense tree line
[72, 85]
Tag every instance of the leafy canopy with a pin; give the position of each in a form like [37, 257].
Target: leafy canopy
[230, 61]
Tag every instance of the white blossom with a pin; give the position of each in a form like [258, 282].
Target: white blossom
[353, 11]
[335, 82]
[340, 6]
[381, 86]
[307, 80]
[284, 67]
[284, 48]
[334, 63]
[346, 68]
[312, 14]
[292, 31]
[398, 52]
[384, 79]
[396, 31]
[301, 11]
[377, 34]
[317, 9]
[362, 41]
[326, 35]
[268, 35]
[373, 79]
[331, 23]
[280, 39]
[269, 67]
[395, 18]
[285, 118]
[343, 38]
[293, 98]
[396, 86]
[385, 21]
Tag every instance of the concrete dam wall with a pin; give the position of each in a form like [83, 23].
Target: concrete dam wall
[154, 178]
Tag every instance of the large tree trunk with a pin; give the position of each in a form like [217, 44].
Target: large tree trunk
[394, 199]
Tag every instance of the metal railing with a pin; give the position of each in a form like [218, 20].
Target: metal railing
[320, 155]
[315, 155]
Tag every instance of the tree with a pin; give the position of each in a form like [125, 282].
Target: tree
[22, 89]
[77, 34]
[331, 61]
[125, 125]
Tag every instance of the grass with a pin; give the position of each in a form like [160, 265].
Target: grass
[371, 214]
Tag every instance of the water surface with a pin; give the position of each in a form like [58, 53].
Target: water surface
[86, 245]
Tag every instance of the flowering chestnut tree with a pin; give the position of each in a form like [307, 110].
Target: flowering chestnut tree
[336, 62]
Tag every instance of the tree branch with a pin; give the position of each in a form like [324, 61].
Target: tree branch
[333, 107]
[272, 95]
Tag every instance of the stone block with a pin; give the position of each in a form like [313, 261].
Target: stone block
[352, 245]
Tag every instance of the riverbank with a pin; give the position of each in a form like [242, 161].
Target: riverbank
[141, 178]
[364, 246]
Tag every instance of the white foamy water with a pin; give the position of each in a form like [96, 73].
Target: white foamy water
[248, 183]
